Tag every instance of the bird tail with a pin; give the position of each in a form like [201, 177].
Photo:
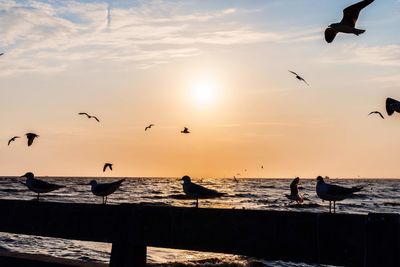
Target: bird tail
[120, 181]
[357, 188]
[358, 31]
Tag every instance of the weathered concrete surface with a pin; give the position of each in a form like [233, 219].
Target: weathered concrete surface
[338, 239]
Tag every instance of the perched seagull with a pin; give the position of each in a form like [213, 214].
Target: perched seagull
[31, 137]
[89, 116]
[331, 192]
[197, 191]
[109, 165]
[298, 77]
[348, 23]
[12, 139]
[148, 127]
[104, 189]
[294, 191]
[392, 105]
[39, 186]
[235, 179]
[377, 112]
[185, 130]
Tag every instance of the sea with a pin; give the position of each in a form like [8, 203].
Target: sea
[378, 195]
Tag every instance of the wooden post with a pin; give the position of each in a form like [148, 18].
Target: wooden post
[125, 254]
[383, 240]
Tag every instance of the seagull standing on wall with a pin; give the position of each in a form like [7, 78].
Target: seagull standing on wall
[39, 186]
[331, 192]
[197, 191]
[104, 189]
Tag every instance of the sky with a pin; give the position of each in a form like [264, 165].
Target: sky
[219, 68]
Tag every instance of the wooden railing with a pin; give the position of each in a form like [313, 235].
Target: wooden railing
[337, 239]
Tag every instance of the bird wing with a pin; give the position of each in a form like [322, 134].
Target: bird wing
[30, 140]
[330, 34]
[1, 54]
[380, 114]
[147, 127]
[104, 167]
[36, 183]
[9, 141]
[304, 81]
[351, 13]
[202, 191]
[110, 166]
[95, 118]
[392, 105]
[293, 72]
[337, 190]
[84, 113]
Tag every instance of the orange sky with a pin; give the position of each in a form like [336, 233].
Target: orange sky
[219, 69]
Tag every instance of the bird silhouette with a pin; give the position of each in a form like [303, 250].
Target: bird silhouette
[377, 112]
[12, 139]
[89, 116]
[294, 191]
[185, 130]
[331, 192]
[197, 191]
[39, 186]
[31, 137]
[104, 189]
[235, 179]
[107, 165]
[1, 54]
[148, 127]
[262, 166]
[348, 22]
[299, 77]
[392, 105]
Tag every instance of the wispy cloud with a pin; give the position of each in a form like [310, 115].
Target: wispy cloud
[44, 36]
[384, 55]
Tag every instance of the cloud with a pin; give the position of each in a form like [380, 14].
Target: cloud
[51, 36]
[384, 55]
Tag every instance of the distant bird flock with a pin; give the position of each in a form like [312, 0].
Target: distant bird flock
[325, 191]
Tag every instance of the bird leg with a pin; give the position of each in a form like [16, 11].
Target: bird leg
[105, 201]
[37, 197]
[330, 207]
[197, 202]
[334, 206]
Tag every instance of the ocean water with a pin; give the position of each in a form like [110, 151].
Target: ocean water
[378, 195]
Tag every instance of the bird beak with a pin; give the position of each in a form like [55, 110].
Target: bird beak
[22, 176]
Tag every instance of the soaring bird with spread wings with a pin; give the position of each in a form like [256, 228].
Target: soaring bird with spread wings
[348, 22]
[89, 116]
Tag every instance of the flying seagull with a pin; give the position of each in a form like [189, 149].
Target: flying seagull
[148, 127]
[89, 116]
[12, 139]
[39, 186]
[31, 137]
[185, 130]
[392, 105]
[377, 112]
[107, 165]
[197, 191]
[331, 192]
[298, 77]
[348, 23]
[1, 54]
[294, 191]
[104, 189]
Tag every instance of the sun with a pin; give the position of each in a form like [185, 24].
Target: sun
[203, 92]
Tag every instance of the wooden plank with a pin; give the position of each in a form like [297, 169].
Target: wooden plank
[339, 239]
